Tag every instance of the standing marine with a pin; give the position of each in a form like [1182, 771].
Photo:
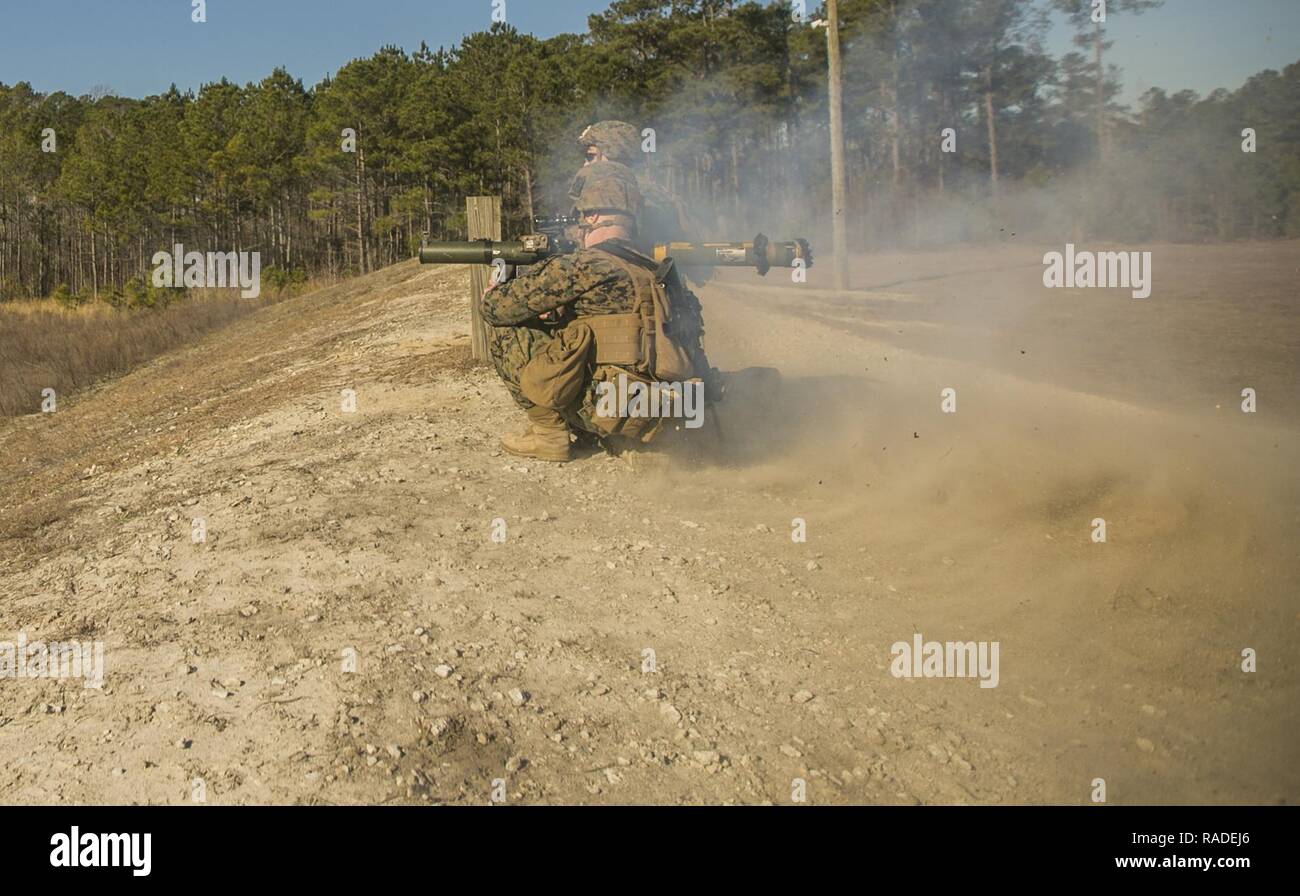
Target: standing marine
[663, 218]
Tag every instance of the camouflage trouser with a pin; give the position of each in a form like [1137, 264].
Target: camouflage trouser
[511, 349]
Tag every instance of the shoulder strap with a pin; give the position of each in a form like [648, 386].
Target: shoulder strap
[629, 255]
[665, 272]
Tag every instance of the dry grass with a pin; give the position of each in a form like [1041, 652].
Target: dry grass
[45, 345]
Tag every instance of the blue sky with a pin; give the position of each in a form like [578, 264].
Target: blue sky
[138, 47]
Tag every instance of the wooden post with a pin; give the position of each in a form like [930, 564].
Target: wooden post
[483, 221]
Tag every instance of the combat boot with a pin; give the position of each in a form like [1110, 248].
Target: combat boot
[546, 438]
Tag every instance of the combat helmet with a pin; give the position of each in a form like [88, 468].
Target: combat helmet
[607, 188]
[618, 140]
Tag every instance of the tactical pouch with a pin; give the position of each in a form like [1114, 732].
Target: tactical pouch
[671, 362]
[658, 355]
[555, 377]
[640, 428]
[618, 339]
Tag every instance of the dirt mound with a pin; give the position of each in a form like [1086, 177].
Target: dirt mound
[385, 607]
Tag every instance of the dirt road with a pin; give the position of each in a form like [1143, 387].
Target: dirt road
[643, 628]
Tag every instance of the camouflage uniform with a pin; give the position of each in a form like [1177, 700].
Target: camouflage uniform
[662, 220]
[586, 282]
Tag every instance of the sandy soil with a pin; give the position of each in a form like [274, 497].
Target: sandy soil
[370, 534]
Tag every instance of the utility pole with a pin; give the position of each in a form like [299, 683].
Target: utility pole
[838, 180]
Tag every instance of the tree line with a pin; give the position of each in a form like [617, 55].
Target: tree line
[959, 126]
